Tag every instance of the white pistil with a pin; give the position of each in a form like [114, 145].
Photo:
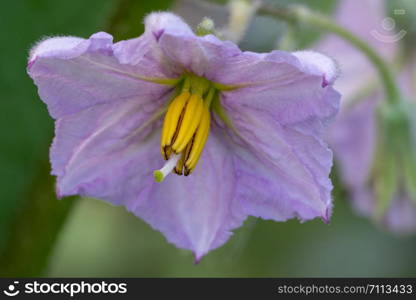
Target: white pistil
[167, 168]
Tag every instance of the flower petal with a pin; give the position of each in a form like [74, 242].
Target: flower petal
[318, 64]
[73, 74]
[201, 55]
[276, 67]
[282, 170]
[401, 216]
[353, 138]
[101, 151]
[185, 50]
[165, 22]
[196, 212]
[144, 52]
[289, 87]
[144, 56]
[106, 153]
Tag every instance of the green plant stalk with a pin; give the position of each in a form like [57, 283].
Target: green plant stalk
[302, 15]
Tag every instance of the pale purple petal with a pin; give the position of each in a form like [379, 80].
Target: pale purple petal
[98, 151]
[282, 170]
[362, 200]
[202, 56]
[180, 48]
[196, 212]
[73, 74]
[281, 83]
[165, 22]
[275, 68]
[115, 162]
[318, 64]
[401, 215]
[61, 47]
[144, 52]
[223, 62]
[145, 57]
[353, 138]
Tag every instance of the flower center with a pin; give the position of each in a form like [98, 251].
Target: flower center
[186, 127]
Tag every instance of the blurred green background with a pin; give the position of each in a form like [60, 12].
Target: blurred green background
[100, 240]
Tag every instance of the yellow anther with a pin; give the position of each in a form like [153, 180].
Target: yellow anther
[186, 127]
[184, 157]
[166, 152]
[190, 121]
[179, 166]
[172, 119]
[198, 141]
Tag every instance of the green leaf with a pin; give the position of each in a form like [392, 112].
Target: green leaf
[30, 216]
[127, 20]
[26, 128]
[34, 232]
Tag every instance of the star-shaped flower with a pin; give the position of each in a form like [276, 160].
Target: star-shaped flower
[246, 127]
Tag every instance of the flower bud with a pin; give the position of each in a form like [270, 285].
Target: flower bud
[394, 167]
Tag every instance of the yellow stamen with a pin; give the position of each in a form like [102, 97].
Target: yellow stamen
[186, 127]
[190, 122]
[184, 157]
[179, 165]
[199, 141]
[171, 121]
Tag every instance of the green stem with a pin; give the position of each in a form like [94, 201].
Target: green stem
[303, 15]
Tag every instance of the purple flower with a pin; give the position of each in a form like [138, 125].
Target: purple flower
[364, 166]
[246, 127]
[356, 134]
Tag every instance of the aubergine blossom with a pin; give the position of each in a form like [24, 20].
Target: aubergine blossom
[246, 127]
[356, 135]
